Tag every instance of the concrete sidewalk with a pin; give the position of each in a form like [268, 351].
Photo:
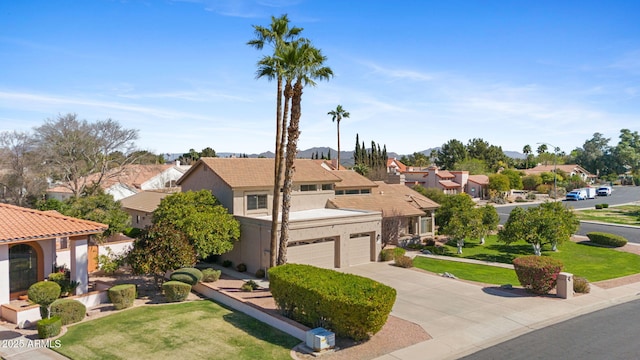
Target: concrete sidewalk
[465, 317]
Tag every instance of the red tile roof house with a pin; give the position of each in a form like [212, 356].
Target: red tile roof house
[450, 182]
[28, 249]
[320, 236]
[571, 169]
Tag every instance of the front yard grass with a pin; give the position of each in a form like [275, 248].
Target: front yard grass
[191, 330]
[473, 272]
[581, 259]
[625, 215]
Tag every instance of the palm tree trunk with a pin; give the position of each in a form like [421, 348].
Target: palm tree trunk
[293, 133]
[338, 122]
[275, 206]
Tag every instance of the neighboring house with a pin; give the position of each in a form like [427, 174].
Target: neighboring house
[450, 182]
[318, 235]
[141, 206]
[571, 169]
[28, 248]
[330, 164]
[395, 166]
[415, 211]
[129, 180]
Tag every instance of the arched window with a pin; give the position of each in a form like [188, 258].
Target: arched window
[23, 267]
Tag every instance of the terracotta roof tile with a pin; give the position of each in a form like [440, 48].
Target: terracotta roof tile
[352, 180]
[449, 184]
[258, 172]
[479, 179]
[18, 224]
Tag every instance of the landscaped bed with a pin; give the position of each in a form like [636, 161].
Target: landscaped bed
[625, 215]
[191, 330]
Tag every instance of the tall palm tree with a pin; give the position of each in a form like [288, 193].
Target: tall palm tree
[337, 115]
[304, 64]
[526, 150]
[279, 34]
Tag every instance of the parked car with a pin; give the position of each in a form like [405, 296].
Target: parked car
[604, 191]
[577, 194]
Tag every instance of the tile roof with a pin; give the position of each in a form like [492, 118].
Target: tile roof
[449, 184]
[329, 164]
[258, 172]
[352, 180]
[568, 168]
[389, 199]
[19, 224]
[479, 179]
[445, 174]
[401, 167]
[146, 201]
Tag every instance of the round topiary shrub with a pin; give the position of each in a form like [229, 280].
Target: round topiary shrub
[607, 239]
[260, 273]
[176, 291]
[122, 295]
[386, 255]
[210, 275]
[44, 293]
[241, 267]
[249, 286]
[49, 327]
[189, 276]
[70, 311]
[538, 274]
[397, 252]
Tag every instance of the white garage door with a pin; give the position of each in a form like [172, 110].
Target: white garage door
[319, 252]
[359, 249]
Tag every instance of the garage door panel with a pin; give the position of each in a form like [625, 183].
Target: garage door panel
[318, 254]
[359, 249]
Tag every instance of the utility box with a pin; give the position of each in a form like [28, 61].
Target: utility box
[564, 287]
[320, 339]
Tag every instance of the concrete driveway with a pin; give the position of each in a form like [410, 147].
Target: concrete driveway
[463, 317]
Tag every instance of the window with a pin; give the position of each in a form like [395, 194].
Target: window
[327, 186]
[312, 187]
[365, 191]
[23, 267]
[255, 202]
[352, 192]
[339, 192]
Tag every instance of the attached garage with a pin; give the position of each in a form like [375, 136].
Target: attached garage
[316, 252]
[359, 249]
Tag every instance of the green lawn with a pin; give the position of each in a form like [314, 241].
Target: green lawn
[473, 272]
[626, 215]
[190, 330]
[591, 262]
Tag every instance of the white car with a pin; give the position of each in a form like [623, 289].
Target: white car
[604, 191]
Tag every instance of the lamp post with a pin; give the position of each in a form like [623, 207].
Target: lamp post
[555, 175]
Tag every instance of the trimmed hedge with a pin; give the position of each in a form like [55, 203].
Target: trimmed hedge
[49, 327]
[602, 238]
[176, 291]
[187, 275]
[386, 255]
[44, 293]
[349, 305]
[210, 275]
[122, 295]
[70, 311]
[538, 274]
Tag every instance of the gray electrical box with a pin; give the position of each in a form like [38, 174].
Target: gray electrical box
[320, 339]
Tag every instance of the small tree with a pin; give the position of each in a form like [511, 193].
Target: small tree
[550, 223]
[99, 207]
[391, 228]
[500, 184]
[44, 293]
[161, 249]
[466, 224]
[490, 221]
[197, 214]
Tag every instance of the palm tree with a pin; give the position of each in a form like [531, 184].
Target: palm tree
[526, 150]
[337, 115]
[279, 34]
[303, 64]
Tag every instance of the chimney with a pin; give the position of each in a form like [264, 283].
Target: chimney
[177, 162]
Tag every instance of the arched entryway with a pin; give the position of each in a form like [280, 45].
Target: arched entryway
[26, 265]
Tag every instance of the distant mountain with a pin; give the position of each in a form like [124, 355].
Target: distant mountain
[515, 155]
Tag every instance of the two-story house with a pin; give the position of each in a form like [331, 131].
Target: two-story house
[321, 236]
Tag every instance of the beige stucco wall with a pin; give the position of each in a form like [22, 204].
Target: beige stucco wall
[203, 178]
[140, 219]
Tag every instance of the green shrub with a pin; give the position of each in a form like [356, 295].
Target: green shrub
[404, 261]
[187, 275]
[437, 250]
[598, 206]
[605, 206]
[607, 239]
[349, 305]
[429, 242]
[210, 275]
[386, 255]
[397, 252]
[260, 273]
[241, 267]
[49, 327]
[176, 291]
[109, 263]
[249, 286]
[70, 311]
[531, 196]
[538, 274]
[133, 232]
[122, 295]
[44, 293]
[67, 287]
[520, 199]
[581, 285]
[227, 263]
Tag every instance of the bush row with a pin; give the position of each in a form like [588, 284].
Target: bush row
[602, 238]
[538, 274]
[601, 206]
[349, 305]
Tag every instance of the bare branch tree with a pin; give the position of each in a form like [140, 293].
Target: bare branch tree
[391, 223]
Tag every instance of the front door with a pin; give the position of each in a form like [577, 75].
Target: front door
[23, 267]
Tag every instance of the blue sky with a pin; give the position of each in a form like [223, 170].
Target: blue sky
[413, 74]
